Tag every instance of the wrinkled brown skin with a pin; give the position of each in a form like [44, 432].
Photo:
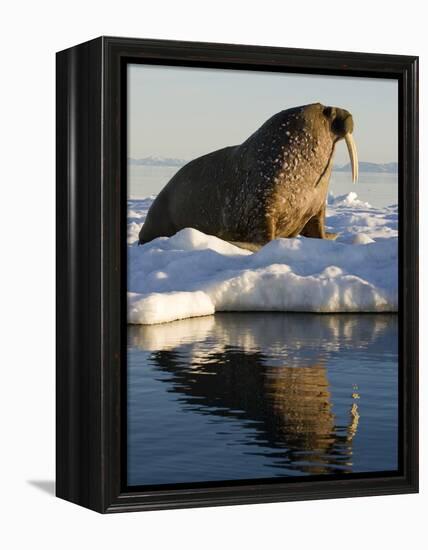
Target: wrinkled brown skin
[273, 185]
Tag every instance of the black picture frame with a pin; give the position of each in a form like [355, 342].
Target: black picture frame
[91, 271]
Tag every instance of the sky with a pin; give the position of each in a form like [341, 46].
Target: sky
[184, 112]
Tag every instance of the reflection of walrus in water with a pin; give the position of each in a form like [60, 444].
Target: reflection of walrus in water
[289, 407]
[273, 185]
[301, 401]
[270, 371]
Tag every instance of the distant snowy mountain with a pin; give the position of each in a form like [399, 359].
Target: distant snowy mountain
[388, 168]
[156, 161]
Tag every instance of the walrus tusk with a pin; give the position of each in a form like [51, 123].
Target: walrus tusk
[352, 150]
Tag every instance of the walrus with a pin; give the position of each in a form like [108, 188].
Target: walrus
[273, 185]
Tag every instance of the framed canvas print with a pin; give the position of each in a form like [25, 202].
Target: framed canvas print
[236, 275]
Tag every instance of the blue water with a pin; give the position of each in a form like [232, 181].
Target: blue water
[259, 395]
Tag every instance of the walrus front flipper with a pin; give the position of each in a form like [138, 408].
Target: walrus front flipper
[315, 227]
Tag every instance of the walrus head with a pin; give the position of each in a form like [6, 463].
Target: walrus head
[299, 143]
[323, 126]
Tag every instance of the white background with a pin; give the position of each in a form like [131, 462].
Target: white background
[30, 34]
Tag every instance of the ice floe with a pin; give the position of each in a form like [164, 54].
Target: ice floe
[192, 274]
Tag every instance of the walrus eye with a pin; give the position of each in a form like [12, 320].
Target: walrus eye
[329, 112]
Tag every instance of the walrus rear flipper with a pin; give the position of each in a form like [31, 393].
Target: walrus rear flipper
[158, 222]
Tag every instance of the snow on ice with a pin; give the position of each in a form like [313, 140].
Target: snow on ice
[192, 274]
